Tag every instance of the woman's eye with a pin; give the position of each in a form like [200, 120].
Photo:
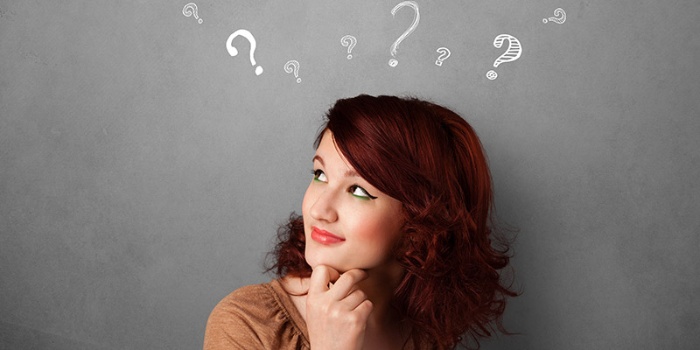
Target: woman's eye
[360, 192]
[319, 175]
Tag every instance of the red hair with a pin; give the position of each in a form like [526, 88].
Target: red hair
[430, 159]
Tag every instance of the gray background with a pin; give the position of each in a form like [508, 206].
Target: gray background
[143, 170]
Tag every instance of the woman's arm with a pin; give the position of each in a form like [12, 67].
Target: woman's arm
[228, 330]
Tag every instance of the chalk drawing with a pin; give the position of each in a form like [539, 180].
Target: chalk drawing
[191, 10]
[233, 52]
[444, 54]
[348, 41]
[560, 17]
[416, 18]
[292, 66]
[513, 52]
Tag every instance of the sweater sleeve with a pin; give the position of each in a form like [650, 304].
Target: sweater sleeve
[251, 318]
[229, 328]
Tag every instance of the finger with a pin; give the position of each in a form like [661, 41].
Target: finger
[365, 308]
[346, 283]
[320, 277]
[354, 299]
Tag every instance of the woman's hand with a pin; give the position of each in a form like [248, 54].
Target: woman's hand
[336, 316]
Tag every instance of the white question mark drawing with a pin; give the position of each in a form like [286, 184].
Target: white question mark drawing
[348, 41]
[393, 62]
[512, 54]
[560, 16]
[191, 10]
[292, 66]
[444, 54]
[233, 52]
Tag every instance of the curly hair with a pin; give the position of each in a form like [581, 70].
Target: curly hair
[431, 160]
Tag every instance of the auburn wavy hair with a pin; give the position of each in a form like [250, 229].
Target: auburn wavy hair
[430, 159]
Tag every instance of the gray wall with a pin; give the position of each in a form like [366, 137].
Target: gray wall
[144, 170]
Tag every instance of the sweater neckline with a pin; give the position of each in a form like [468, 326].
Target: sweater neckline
[287, 305]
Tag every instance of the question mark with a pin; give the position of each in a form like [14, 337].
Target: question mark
[293, 66]
[444, 54]
[191, 9]
[512, 54]
[561, 16]
[348, 41]
[233, 52]
[393, 62]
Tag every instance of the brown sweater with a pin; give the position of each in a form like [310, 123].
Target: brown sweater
[260, 316]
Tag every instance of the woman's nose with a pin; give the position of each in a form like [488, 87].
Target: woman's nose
[324, 207]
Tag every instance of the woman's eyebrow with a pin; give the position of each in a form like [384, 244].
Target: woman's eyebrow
[351, 173]
[348, 173]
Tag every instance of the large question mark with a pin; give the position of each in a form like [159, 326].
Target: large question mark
[292, 66]
[444, 54]
[393, 62]
[560, 16]
[233, 52]
[512, 54]
[348, 41]
[191, 9]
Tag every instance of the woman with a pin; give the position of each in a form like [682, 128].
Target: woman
[394, 246]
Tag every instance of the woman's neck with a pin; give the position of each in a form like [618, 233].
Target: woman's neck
[380, 287]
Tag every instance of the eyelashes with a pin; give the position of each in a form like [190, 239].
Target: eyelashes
[355, 190]
[360, 192]
[319, 175]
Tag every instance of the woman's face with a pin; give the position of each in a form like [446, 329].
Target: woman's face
[348, 223]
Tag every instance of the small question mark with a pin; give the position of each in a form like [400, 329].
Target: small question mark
[191, 9]
[444, 54]
[293, 66]
[348, 41]
[393, 62]
[512, 54]
[560, 16]
[233, 52]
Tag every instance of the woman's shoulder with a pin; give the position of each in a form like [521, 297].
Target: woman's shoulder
[255, 316]
[251, 302]
[248, 296]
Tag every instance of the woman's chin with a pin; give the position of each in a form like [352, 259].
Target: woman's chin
[327, 262]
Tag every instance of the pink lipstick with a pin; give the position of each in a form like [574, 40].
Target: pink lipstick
[324, 237]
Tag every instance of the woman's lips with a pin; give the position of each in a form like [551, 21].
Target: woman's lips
[324, 237]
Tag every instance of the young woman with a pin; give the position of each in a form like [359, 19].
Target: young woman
[394, 248]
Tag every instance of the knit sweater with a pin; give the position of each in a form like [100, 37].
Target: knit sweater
[260, 316]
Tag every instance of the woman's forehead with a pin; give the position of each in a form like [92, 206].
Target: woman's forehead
[328, 149]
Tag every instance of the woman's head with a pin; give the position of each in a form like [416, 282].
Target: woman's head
[430, 162]
[348, 223]
[422, 154]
